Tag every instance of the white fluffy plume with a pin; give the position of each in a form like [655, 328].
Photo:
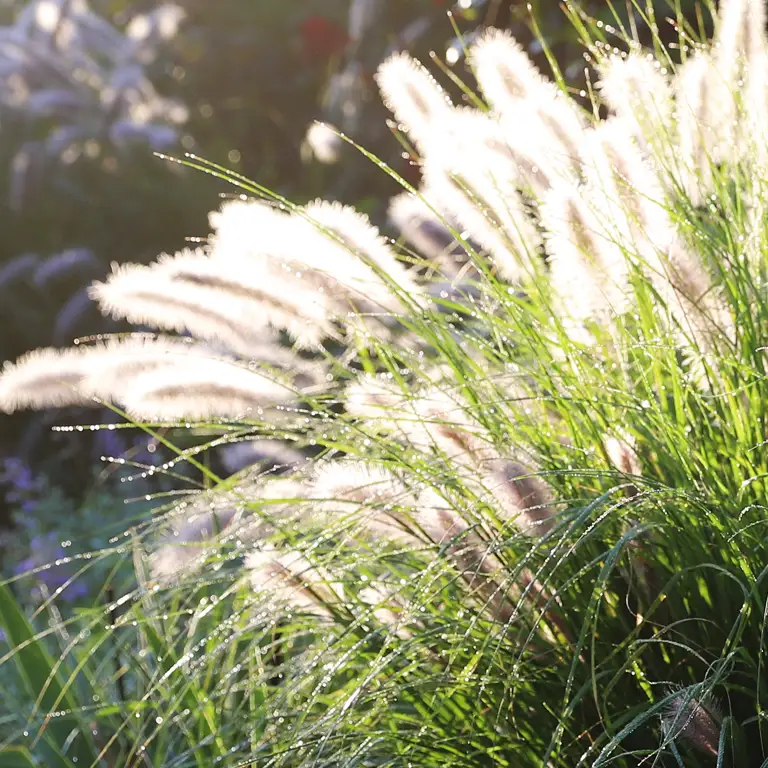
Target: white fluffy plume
[638, 90]
[378, 501]
[153, 379]
[287, 577]
[475, 173]
[588, 269]
[210, 522]
[412, 95]
[698, 125]
[325, 248]
[427, 231]
[212, 389]
[540, 120]
[523, 497]
[145, 296]
[87, 374]
[266, 298]
[503, 69]
[376, 269]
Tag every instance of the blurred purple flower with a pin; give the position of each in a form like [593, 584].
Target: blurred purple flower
[157, 136]
[22, 483]
[45, 553]
[56, 102]
[82, 79]
[110, 443]
[61, 265]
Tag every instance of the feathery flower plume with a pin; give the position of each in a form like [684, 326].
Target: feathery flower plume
[740, 36]
[323, 143]
[213, 389]
[426, 232]
[203, 525]
[631, 192]
[430, 420]
[436, 517]
[456, 195]
[440, 421]
[470, 172]
[188, 544]
[678, 274]
[508, 155]
[676, 271]
[248, 229]
[432, 236]
[265, 297]
[756, 131]
[739, 51]
[614, 206]
[252, 232]
[622, 454]
[370, 397]
[271, 455]
[288, 577]
[755, 100]
[361, 239]
[374, 492]
[523, 497]
[412, 95]
[114, 366]
[298, 249]
[44, 378]
[637, 89]
[388, 502]
[387, 609]
[143, 296]
[504, 70]
[466, 552]
[85, 375]
[357, 483]
[546, 145]
[481, 569]
[537, 115]
[691, 296]
[694, 720]
[497, 154]
[588, 271]
[698, 122]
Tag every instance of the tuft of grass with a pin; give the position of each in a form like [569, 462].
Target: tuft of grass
[531, 531]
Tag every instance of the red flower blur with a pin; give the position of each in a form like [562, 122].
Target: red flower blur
[322, 37]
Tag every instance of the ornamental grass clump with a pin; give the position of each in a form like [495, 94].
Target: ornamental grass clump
[529, 531]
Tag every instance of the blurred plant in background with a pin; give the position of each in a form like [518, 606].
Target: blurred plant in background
[74, 85]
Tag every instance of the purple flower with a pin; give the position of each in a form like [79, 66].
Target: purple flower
[45, 552]
[18, 474]
[22, 488]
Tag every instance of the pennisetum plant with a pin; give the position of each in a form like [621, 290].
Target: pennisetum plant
[532, 528]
